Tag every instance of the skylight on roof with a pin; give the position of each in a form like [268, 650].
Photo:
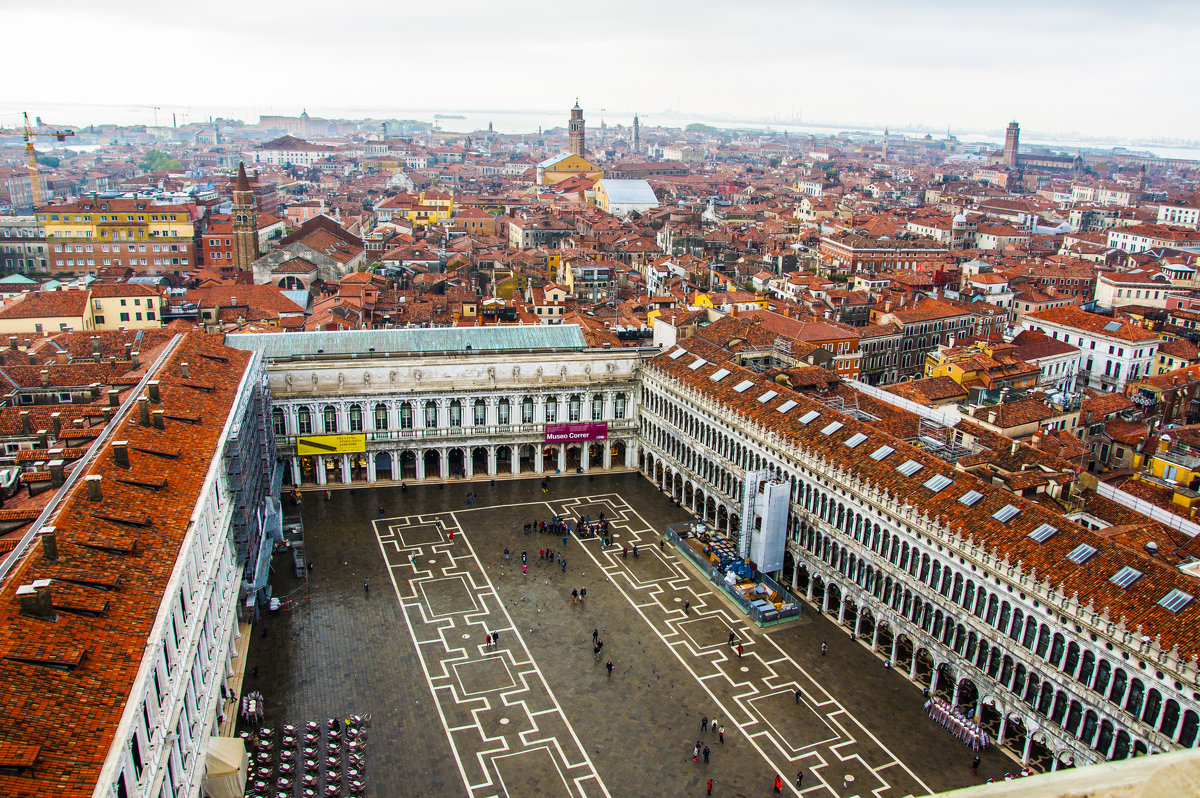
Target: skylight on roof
[1112, 326]
[743, 385]
[938, 482]
[1126, 576]
[1043, 533]
[909, 467]
[677, 353]
[1006, 513]
[1176, 600]
[719, 375]
[831, 428]
[768, 396]
[699, 362]
[809, 416]
[786, 406]
[1082, 553]
[855, 439]
[882, 452]
[970, 498]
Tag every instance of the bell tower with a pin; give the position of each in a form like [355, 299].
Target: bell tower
[1012, 145]
[245, 223]
[637, 135]
[575, 131]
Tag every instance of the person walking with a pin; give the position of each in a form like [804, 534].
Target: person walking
[975, 766]
[596, 651]
[824, 648]
[739, 650]
[583, 595]
[563, 563]
[595, 635]
[732, 637]
[696, 752]
[704, 724]
[506, 552]
[524, 557]
[609, 666]
[574, 596]
[778, 785]
[797, 695]
[799, 778]
[721, 734]
[687, 607]
[495, 638]
[451, 535]
[366, 586]
[710, 786]
[706, 753]
[487, 641]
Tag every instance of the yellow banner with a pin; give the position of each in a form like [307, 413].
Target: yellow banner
[331, 444]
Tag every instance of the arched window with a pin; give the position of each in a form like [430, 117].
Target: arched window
[1153, 707]
[503, 412]
[619, 406]
[1103, 672]
[1119, 682]
[381, 416]
[574, 404]
[479, 413]
[431, 414]
[597, 407]
[277, 422]
[455, 413]
[527, 410]
[329, 416]
[406, 415]
[356, 420]
[304, 421]
[551, 409]
[1137, 693]
[1170, 719]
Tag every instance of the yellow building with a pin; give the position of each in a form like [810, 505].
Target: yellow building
[1176, 464]
[95, 232]
[559, 167]
[47, 313]
[135, 307]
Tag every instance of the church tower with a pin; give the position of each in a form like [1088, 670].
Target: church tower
[245, 223]
[637, 135]
[575, 132]
[1012, 144]
[885, 144]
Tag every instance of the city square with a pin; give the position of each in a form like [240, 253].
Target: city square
[407, 585]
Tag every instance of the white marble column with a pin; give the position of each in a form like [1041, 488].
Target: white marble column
[347, 477]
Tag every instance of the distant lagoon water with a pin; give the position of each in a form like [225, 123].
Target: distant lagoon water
[505, 121]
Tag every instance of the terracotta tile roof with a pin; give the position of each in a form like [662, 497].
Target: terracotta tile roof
[48, 304]
[1079, 319]
[71, 709]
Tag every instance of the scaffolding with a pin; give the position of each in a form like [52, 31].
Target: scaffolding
[940, 440]
[839, 404]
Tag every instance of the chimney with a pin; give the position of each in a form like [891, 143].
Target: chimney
[94, 390]
[31, 357]
[43, 438]
[1152, 548]
[114, 397]
[36, 600]
[160, 419]
[144, 411]
[1013, 449]
[12, 342]
[63, 356]
[129, 351]
[183, 369]
[155, 396]
[25, 428]
[121, 453]
[56, 424]
[96, 345]
[93, 487]
[45, 375]
[136, 359]
[49, 542]
[57, 472]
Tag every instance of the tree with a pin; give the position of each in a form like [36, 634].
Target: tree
[48, 160]
[158, 161]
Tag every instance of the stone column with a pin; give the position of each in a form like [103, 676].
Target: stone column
[841, 610]
[894, 642]
[809, 593]
[933, 680]
[347, 476]
[1003, 725]
[875, 636]
[396, 475]
[539, 465]
[857, 620]
[469, 461]
[912, 671]
[607, 450]
[445, 463]
[562, 459]
[296, 473]
[1028, 745]
[954, 698]
[491, 461]
[420, 463]
[585, 456]
[319, 469]
[370, 460]
[516, 459]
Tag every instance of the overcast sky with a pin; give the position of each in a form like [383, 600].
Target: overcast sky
[1092, 67]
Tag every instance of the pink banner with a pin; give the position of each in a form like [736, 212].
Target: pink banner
[572, 433]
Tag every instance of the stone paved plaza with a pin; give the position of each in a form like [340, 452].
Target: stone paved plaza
[536, 714]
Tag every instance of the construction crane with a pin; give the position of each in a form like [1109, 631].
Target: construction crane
[31, 154]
